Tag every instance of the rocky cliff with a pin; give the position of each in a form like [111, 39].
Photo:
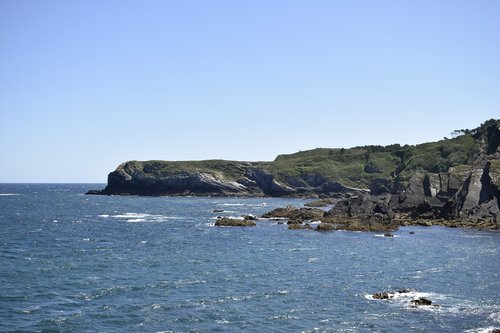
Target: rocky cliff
[445, 179]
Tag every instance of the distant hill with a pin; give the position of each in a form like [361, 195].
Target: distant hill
[316, 172]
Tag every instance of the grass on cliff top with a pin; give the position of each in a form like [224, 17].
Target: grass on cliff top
[229, 170]
[356, 166]
[349, 166]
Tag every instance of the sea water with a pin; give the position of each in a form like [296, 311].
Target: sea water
[71, 262]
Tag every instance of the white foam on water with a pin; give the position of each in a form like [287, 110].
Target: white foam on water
[312, 259]
[495, 317]
[223, 321]
[130, 215]
[382, 235]
[136, 220]
[139, 217]
[8, 194]
[229, 217]
[482, 330]
[231, 204]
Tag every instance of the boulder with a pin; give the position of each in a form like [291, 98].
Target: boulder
[325, 227]
[302, 214]
[422, 301]
[228, 222]
[299, 227]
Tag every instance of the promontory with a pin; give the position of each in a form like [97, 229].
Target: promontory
[458, 174]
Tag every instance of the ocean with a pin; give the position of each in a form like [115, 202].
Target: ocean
[71, 262]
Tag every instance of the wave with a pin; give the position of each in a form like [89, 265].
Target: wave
[228, 204]
[139, 217]
[489, 329]
[8, 194]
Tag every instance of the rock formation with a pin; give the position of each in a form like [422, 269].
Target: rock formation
[453, 179]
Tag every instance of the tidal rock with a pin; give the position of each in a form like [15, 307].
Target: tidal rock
[383, 295]
[292, 213]
[422, 301]
[228, 222]
[299, 227]
[325, 227]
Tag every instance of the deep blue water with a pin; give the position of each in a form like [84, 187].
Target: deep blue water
[76, 263]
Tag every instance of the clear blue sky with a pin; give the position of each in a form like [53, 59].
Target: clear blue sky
[86, 85]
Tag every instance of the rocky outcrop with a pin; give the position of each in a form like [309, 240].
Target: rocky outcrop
[460, 172]
[229, 222]
[465, 196]
[249, 179]
[294, 214]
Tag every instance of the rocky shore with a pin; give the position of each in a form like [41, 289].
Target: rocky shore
[453, 182]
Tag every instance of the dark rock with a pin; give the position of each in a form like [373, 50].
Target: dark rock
[404, 291]
[217, 210]
[294, 221]
[325, 227]
[321, 203]
[302, 214]
[384, 295]
[422, 301]
[412, 232]
[228, 222]
[94, 192]
[388, 234]
[250, 217]
[380, 186]
[299, 227]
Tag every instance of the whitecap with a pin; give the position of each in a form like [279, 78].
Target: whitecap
[312, 259]
[8, 194]
[103, 215]
[223, 321]
[482, 330]
[130, 215]
[136, 220]
[141, 217]
[383, 235]
[495, 317]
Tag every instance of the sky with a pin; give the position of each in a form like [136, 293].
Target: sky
[86, 85]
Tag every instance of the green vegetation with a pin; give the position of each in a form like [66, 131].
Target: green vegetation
[357, 166]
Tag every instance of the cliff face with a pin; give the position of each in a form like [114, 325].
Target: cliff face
[246, 179]
[453, 177]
